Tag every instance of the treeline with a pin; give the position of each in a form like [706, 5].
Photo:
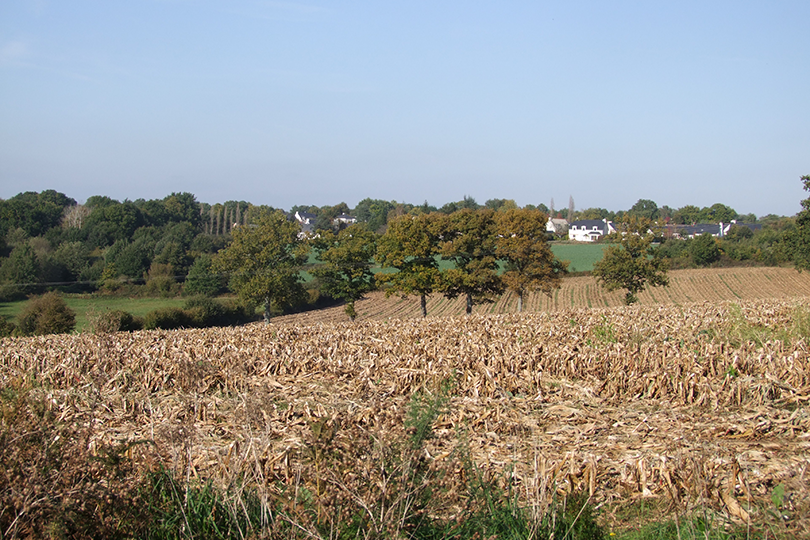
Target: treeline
[486, 253]
[47, 240]
[169, 246]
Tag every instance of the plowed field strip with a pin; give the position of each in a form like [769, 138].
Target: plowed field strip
[686, 286]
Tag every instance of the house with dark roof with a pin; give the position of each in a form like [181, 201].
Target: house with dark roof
[589, 230]
[345, 219]
[718, 230]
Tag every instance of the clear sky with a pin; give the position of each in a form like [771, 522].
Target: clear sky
[313, 102]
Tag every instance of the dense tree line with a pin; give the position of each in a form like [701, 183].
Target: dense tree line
[461, 249]
[262, 261]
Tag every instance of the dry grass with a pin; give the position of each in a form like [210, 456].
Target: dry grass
[672, 403]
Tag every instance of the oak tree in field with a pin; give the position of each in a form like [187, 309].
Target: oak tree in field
[468, 239]
[409, 245]
[632, 263]
[530, 264]
[263, 262]
[801, 236]
[347, 256]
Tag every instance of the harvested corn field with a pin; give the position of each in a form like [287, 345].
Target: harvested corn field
[697, 405]
[686, 286]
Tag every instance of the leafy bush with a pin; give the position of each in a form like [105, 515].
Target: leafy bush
[204, 312]
[7, 328]
[47, 314]
[704, 250]
[167, 318]
[116, 321]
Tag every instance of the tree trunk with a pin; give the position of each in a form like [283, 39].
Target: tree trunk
[423, 305]
[520, 302]
[469, 304]
[266, 311]
[349, 309]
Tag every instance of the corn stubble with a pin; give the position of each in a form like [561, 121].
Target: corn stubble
[673, 403]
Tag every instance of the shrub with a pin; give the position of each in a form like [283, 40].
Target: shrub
[116, 321]
[7, 328]
[47, 314]
[704, 250]
[167, 318]
[204, 312]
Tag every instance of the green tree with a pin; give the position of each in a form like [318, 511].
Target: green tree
[686, 215]
[409, 245]
[183, 207]
[738, 233]
[501, 205]
[373, 212]
[19, 272]
[633, 263]
[718, 213]
[596, 213]
[644, 208]
[201, 279]
[704, 250]
[110, 221]
[530, 264]
[263, 263]
[468, 239]
[33, 212]
[800, 237]
[347, 256]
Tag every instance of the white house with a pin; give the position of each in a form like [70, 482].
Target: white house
[589, 230]
[344, 218]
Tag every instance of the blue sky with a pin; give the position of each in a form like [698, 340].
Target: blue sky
[285, 103]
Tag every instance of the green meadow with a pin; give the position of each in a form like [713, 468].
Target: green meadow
[87, 307]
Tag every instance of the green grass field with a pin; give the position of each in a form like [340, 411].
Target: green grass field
[580, 256]
[86, 307]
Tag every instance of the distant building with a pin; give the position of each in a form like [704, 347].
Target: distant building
[718, 230]
[589, 230]
[345, 219]
[556, 226]
[307, 223]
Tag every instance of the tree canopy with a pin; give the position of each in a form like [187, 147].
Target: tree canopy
[521, 243]
[801, 236]
[263, 262]
[409, 245]
[468, 239]
[347, 256]
[631, 264]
